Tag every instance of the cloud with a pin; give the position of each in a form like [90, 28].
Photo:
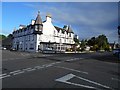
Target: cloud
[88, 19]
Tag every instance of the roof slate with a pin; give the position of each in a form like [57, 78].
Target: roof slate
[38, 19]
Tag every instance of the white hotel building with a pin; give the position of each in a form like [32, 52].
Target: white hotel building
[42, 35]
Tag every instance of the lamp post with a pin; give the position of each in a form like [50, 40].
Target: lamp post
[119, 35]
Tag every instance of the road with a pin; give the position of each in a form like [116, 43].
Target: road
[84, 70]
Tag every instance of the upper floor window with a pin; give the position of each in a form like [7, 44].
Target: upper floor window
[36, 27]
[32, 37]
[29, 37]
[69, 34]
[54, 32]
[40, 28]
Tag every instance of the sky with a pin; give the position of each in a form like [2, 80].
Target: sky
[87, 19]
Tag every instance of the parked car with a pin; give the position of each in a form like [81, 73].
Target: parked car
[3, 48]
[48, 50]
[12, 49]
[116, 52]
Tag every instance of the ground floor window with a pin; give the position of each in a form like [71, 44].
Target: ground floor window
[31, 46]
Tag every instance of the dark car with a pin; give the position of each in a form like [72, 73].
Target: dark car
[116, 52]
[12, 49]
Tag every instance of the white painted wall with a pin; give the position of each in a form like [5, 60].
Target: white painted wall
[49, 33]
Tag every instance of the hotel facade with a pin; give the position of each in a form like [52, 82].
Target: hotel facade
[42, 35]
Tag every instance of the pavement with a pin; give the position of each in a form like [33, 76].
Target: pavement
[83, 70]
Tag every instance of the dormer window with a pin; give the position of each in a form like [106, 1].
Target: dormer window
[36, 27]
[40, 28]
[69, 34]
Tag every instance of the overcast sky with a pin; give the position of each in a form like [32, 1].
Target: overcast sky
[87, 19]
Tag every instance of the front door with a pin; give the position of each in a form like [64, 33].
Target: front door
[17, 47]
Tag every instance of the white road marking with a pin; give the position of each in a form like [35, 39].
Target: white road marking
[49, 65]
[38, 67]
[26, 69]
[58, 62]
[47, 55]
[71, 69]
[115, 79]
[74, 59]
[85, 86]
[31, 69]
[5, 76]
[65, 78]
[68, 77]
[18, 73]
[15, 71]
[93, 82]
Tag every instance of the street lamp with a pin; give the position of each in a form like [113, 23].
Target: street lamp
[119, 35]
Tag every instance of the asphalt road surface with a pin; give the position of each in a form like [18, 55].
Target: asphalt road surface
[97, 71]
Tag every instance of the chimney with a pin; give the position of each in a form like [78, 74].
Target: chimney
[48, 18]
[32, 22]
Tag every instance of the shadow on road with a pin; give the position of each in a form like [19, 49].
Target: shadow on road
[107, 57]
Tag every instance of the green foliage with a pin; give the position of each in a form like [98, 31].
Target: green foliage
[92, 41]
[83, 43]
[78, 49]
[76, 40]
[99, 43]
[2, 37]
[69, 49]
[94, 47]
[10, 35]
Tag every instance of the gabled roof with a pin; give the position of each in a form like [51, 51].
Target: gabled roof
[58, 28]
[22, 26]
[69, 30]
[65, 27]
[38, 19]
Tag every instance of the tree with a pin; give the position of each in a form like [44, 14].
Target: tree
[76, 40]
[2, 37]
[82, 45]
[98, 43]
[102, 42]
[10, 35]
[92, 41]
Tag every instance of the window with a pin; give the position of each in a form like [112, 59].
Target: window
[32, 37]
[26, 47]
[36, 27]
[54, 32]
[40, 28]
[29, 37]
[39, 38]
[64, 40]
[26, 38]
[31, 46]
[69, 34]
[60, 41]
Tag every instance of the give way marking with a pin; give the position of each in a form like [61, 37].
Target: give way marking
[67, 77]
